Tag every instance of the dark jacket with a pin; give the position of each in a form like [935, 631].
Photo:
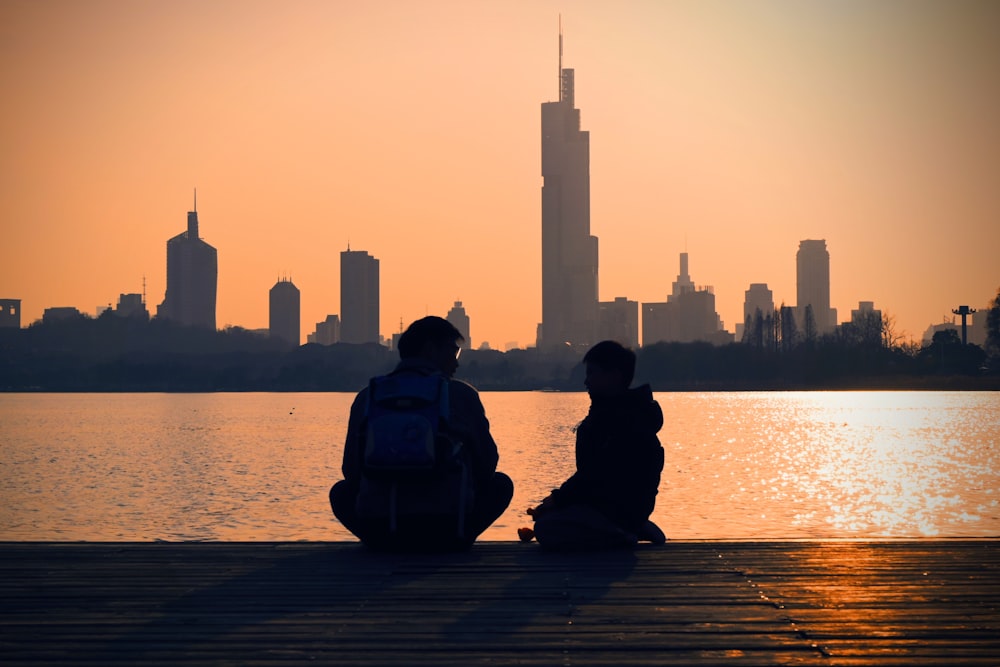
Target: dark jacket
[618, 458]
[467, 419]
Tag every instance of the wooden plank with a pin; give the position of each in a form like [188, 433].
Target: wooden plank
[842, 603]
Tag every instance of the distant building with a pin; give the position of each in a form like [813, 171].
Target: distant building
[327, 331]
[10, 313]
[60, 314]
[359, 297]
[683, 284]
[865, 311]
[131, 305]
[688, 314]
[569, 252]
[935, 328]
[458, 317]
[812, 285]
[758, 297]
[866, 323]
[192, 278]
[618, 320]
[284, 315]
[976, 331]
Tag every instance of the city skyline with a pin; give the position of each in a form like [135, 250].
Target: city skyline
[728, 132]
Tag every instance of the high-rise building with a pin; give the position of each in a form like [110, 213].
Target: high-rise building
[813, 287]
[758, 297]
[569, 252]
[458, 317]
[618, 320]
[865, 311]
[10, 313]
[284, 314]
[687, 315]
[192, 278]
[683, 284]
[132, 305]
[60, 314]
[327, 332]
[359, 297]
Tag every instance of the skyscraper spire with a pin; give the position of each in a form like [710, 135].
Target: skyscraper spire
[193, 218]
[559, 79]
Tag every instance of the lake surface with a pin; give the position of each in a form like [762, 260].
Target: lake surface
[755, 465]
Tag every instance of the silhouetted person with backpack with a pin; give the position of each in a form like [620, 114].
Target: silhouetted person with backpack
[606, 503]
[419, 461]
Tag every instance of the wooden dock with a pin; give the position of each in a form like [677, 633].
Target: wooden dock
[504, 603]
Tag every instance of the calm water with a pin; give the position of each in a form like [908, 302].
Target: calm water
[739, 465]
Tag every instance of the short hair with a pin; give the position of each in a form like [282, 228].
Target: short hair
[430, 329]
[611, 355]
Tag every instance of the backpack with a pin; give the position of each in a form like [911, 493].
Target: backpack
[411, 464]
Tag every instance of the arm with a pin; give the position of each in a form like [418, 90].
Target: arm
[351, 466]
[591, 464]
[469, 422]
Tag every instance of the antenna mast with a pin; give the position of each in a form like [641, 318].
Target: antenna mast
[560, 58]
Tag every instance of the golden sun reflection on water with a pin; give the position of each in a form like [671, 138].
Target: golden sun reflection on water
[738, 465]
[837, 464]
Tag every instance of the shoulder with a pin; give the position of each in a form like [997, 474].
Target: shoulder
[360, 401]
[461, 390]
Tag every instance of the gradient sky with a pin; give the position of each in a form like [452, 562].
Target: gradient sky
[412, 130]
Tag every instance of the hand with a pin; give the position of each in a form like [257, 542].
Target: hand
[547, 503]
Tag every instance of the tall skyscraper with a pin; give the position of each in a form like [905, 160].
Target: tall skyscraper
[458, 317]
[813, 286]
[569, 252]
[192, 278]
[359, 297]
[284, 313]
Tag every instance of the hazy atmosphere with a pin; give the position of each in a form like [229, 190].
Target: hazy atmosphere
[730, 131]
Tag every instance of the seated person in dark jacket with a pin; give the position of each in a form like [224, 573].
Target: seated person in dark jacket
[442, 511]
[606, 503]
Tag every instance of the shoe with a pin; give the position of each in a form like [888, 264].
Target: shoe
[650, 532]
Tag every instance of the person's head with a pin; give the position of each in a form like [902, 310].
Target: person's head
[610, 368]
[433, 339]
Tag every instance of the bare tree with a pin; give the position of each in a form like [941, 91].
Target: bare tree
[892, 338]
[786, 328]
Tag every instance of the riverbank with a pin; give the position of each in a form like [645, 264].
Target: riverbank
[754, 603]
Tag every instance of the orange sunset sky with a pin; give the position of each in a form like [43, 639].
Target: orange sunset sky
[731, 130]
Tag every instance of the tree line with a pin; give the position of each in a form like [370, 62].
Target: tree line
[113, 353]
